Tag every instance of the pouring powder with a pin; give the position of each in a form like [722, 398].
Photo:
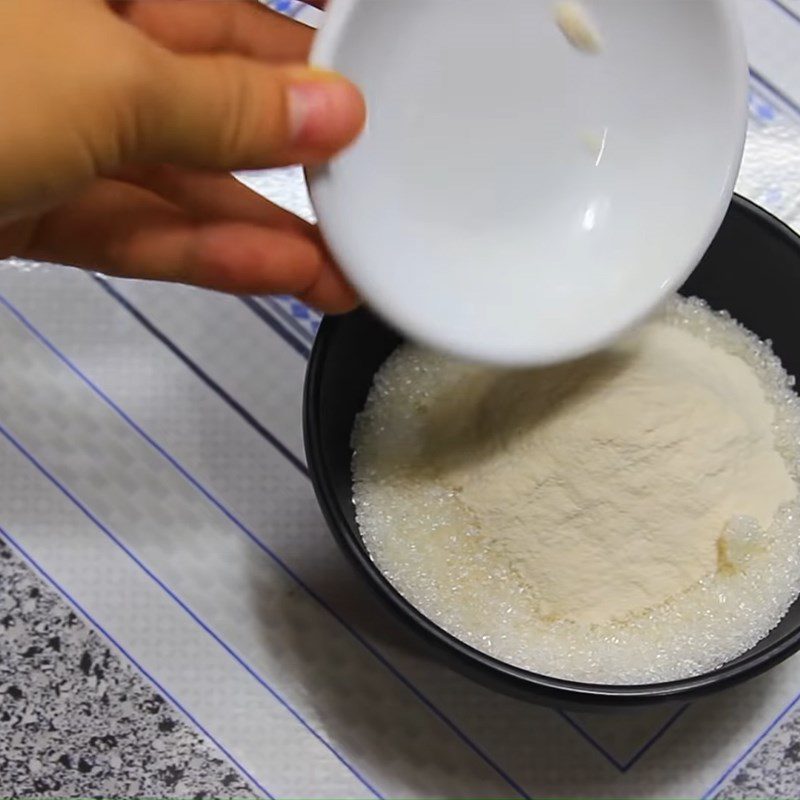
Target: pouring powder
[577, 27]
[629, 517]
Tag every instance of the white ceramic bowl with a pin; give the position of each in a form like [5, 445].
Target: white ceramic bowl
[513, 199]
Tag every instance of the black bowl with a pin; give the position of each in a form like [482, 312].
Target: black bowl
[752, 269]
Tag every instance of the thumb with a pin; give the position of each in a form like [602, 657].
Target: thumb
[229, 112]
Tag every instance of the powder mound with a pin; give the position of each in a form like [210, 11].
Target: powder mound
[626, 518]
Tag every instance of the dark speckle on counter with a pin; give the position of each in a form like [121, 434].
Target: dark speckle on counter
[76, 721]
[773, 769]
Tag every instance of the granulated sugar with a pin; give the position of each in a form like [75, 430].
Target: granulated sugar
[629, 518]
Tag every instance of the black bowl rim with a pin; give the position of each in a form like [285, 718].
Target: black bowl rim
[516, 680]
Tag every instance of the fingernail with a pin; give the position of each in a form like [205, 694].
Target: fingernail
[324, 114]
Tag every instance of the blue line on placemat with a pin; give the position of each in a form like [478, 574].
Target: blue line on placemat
[287, 317]
[586, 736]
[440, 715]
[277, 325]
[627, 765]
[782, 96]
[768, 104]
[786, 10]
[59, 588]
[750, 749]
[284, 333]
[204, 376]
[89, 514]
[655, 737]
[287, 7]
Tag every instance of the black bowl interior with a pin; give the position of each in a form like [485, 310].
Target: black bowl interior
[752, 269]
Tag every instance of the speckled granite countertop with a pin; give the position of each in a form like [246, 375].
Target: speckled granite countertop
[76, 721]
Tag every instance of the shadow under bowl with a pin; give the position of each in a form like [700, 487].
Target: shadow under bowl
[752, 270]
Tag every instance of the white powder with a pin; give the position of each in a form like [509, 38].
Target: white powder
[577, 27]
[558, 518]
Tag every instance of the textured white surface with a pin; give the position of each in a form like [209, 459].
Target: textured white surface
[215, 618]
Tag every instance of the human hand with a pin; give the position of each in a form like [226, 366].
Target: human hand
[122, 120]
